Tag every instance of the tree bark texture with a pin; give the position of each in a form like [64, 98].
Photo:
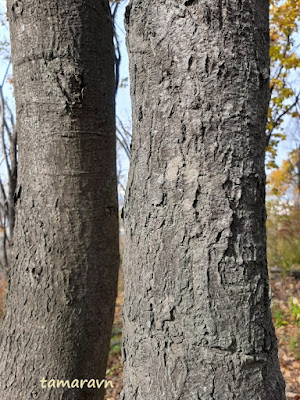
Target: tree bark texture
[63, 282]
[197, 322]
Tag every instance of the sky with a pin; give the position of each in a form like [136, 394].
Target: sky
[123, 104]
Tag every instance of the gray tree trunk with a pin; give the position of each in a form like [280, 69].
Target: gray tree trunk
[63, 280]
[197, 323]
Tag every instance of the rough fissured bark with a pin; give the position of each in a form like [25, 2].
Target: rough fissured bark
[197, 323]
[63, 282]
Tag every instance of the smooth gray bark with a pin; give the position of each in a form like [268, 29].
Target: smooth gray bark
[63, 280]
[197, 322]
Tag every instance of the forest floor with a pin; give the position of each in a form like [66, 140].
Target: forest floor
[286, 318]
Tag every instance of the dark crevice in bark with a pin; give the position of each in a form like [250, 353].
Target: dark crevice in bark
[220, 11]
[127, 14]
[190, 2]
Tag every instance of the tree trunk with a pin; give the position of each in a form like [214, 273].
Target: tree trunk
[197, 322]
[63, 280]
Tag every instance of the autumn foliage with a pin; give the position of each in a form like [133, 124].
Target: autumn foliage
[283, 206]
[284, 95]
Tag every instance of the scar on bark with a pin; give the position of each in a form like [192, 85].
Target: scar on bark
[17, 194]
[127, 14]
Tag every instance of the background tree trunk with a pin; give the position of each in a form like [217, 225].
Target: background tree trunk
[63, 280]
[197, 323]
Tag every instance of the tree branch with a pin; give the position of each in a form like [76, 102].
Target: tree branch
[123, 143]
[4, 149]
[276, 122]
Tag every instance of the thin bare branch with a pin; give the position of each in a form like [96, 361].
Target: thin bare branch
[3, 193]
[4, 149]
[123, 143]
[122, 186]
[116, 5]
[276, 122]
[5, 74]
[114, 8]
[11, 114]
[123, 127]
